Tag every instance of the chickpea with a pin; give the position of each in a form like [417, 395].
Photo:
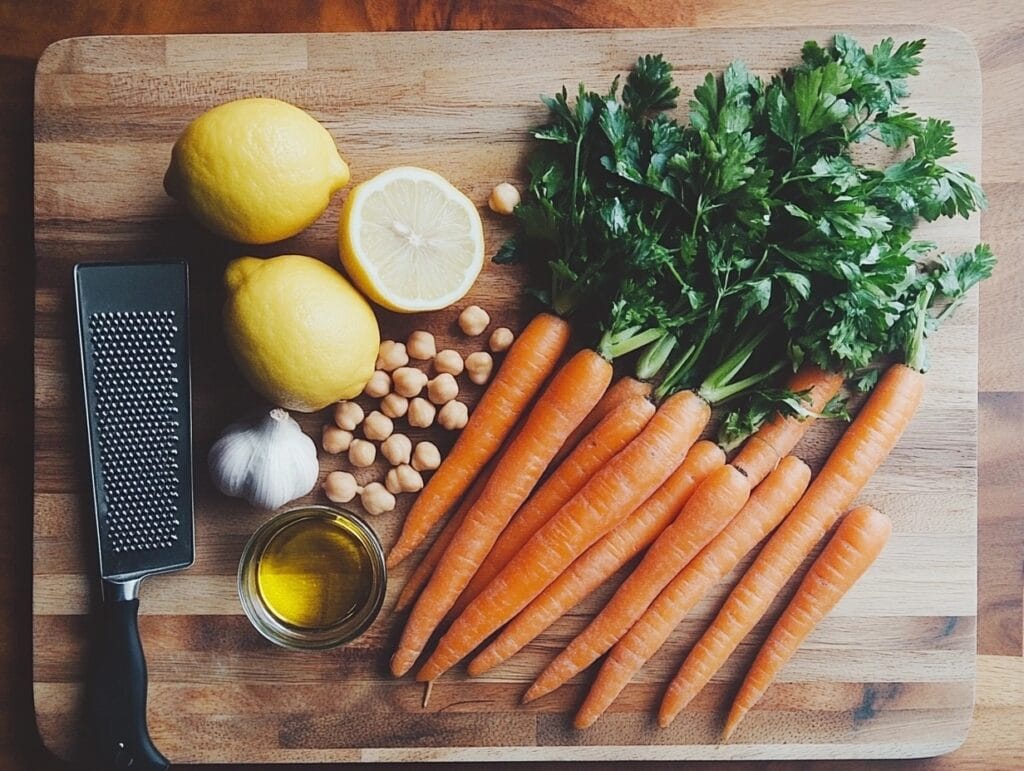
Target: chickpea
[348, 415]
[479, 366]
[504, 198]
[376, 499]
[426, 456]
[403, 479]
[409, 381]
[391, 355]
[397, 448]
[377, 426]
[379, 385]
[442, 389]
[410, 478]
[341, 487]
[453, 416]
[392, 483]
[421, 413]
[448, 361]
[500, 339]
[335, 439]
[362, 453]
[421, 345]
[394, 405]
[473, 320]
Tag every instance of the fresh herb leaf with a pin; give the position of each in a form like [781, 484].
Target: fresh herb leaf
[763, 404]
[649, 86]
[752, 238]
[509, 253]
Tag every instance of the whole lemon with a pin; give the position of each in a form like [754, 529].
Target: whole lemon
[255, 170]
[301, 334]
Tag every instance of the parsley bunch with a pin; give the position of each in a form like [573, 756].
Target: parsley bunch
[755, 236]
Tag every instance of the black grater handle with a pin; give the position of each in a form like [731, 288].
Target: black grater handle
[116, 706]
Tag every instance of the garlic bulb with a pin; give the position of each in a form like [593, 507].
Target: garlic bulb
[268, 461]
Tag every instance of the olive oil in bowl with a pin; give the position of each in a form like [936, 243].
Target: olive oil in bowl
[312, 578]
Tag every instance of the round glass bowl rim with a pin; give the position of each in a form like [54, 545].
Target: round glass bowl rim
[313, 639]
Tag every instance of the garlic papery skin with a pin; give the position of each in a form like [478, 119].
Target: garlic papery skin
[268, 461]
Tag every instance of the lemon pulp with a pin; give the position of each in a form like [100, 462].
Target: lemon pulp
[314, 574]
[411, 240]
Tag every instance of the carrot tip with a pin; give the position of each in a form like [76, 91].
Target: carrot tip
[395, 557]
[583, 721]
[536, 691]
[426, 674]
[401, 663]
[731, 722]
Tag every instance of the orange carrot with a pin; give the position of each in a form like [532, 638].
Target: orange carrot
[615, 431]
[604, 558]
[861, 450]
[856, 544]
[622, 390]
[419, 577]
[527, 364]
[769, 503]
[708, 510]
[572, 393]
[607, 498]
[777, 438]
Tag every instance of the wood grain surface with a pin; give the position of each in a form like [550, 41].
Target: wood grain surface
[995, 739]
[889, 674]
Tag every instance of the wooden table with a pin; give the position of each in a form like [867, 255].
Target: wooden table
[997, 738]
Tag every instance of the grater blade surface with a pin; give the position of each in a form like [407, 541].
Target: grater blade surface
[133, 333]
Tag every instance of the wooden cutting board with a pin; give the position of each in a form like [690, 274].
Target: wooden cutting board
[889, 674]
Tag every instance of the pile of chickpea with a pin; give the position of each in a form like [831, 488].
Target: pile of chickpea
[406, 391]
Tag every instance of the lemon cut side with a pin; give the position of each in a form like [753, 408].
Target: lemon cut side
[410, 240]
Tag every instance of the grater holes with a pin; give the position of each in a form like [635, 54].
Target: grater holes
[136, 387]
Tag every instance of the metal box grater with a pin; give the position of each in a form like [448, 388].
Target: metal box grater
[133, 337]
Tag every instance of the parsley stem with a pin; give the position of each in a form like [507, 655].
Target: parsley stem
[916, 352]
[723, 374]
[725, 393]
[674, 378]
[564, 303]
[612, 346]
[653, 359]
[786, 179]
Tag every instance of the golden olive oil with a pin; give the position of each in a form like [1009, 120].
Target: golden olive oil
[314, 573]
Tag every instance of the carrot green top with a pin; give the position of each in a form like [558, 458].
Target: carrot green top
[733, 247]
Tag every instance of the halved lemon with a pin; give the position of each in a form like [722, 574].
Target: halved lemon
[410, 240]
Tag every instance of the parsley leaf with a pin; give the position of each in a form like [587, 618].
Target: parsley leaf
[728, 249]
